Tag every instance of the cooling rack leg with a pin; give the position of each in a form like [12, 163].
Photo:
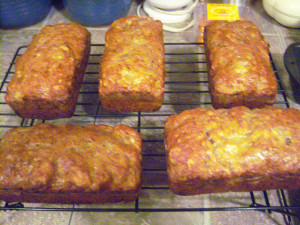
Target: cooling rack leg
[282, 197]
[14, 205]
[136, 206]
[267, 201]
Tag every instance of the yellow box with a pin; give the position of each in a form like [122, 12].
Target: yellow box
[222, 12]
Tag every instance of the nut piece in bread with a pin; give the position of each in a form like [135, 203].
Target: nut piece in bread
[132, 69]
[48, 76]
[70, 164]
[239, 68]
[235, 149]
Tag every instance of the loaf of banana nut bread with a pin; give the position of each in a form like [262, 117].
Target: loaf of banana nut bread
[235, 149]
[48, 76]
[70, 164]
[239, 67]
[132, 70]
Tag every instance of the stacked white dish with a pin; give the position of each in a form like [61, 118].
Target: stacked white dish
[176, 15]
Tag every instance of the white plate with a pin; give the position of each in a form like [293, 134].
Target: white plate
[165, 17]
[170, 4]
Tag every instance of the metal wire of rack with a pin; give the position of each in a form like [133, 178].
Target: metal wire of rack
[186, 87]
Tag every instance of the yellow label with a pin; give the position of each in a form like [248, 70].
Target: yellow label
[222, 12]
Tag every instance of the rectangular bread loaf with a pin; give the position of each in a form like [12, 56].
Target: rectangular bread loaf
[132, 69]
[70, 164]
[235, 149]
[239, 67]
[48, 76]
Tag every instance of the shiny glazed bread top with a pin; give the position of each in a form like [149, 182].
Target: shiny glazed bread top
[133, 61]
[68, 158]
[207, 144]
[238, 58]
[48, 67]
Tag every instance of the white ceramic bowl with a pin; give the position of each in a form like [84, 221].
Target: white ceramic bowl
[170, 4]
[165, 17]
[285, 12]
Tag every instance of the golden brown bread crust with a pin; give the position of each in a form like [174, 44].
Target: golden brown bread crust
[132, 67]
[70, 164]
[49, 74]
[239, 67]
[235, 149]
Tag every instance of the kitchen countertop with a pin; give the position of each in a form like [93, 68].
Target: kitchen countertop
[279, 38]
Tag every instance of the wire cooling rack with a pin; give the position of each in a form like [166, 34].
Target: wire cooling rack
[186, 87]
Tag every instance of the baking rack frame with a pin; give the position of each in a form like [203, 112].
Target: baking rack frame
[283, 208]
